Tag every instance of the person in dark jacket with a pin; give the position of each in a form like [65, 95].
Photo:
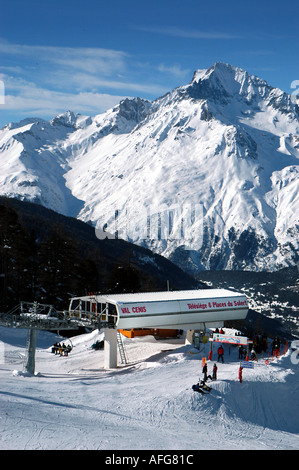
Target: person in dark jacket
[205, 372]
[242, 352]
[214, 372]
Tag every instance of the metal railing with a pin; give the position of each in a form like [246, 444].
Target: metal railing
[43, 317]
[46, 317]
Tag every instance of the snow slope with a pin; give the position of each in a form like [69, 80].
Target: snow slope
[227, 143]
[73, 403]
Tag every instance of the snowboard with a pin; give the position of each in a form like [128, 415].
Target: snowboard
[206, 387]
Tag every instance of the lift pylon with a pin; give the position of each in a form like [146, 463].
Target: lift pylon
[30, 348]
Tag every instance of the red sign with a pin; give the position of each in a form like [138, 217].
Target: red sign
[134, 309]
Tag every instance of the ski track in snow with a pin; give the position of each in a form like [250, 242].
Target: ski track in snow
[73, 403]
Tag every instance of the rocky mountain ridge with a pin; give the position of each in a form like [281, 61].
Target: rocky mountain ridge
[206, 175]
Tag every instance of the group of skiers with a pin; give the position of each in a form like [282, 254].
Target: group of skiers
[61, 349]
[221, 331]
[205, 372]
[201, 386]
[259, 344]
[215, 368]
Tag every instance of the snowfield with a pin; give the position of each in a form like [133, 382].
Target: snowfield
[74, 403]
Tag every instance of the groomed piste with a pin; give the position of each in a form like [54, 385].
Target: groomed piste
[72, 402]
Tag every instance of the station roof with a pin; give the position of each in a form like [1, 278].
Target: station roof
[172, 309]
[166, 296]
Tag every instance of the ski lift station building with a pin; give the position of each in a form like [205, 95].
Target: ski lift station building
[186, 310]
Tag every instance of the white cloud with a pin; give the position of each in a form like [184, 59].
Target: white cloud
[52, 103]
[93, 60]
[30, 100]
[174, 70]
[186, 33]
[83, 81]
[81, 69]
[44, 80]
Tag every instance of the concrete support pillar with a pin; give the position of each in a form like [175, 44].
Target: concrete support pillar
[189, 337]
[110, 348]
[31, 347]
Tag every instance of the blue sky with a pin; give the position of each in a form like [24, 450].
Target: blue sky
[87, 55]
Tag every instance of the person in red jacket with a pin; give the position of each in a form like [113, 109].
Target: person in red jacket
[215, 372]
[220, 353]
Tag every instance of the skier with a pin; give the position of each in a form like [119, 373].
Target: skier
[253, 355]
[241, 352]
[214, 372]
[276, 347]
[240, 374]
[264, 343]
[205, 372]
[197, 388]
[220, 353]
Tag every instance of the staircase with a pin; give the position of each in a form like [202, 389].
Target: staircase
[121, 349]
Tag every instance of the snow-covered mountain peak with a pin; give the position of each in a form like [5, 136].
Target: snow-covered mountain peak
[135, 109]
[71, 120]
[227, 141]
[225, 74]
[198, 74]
[122, 118]
[222, 83]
